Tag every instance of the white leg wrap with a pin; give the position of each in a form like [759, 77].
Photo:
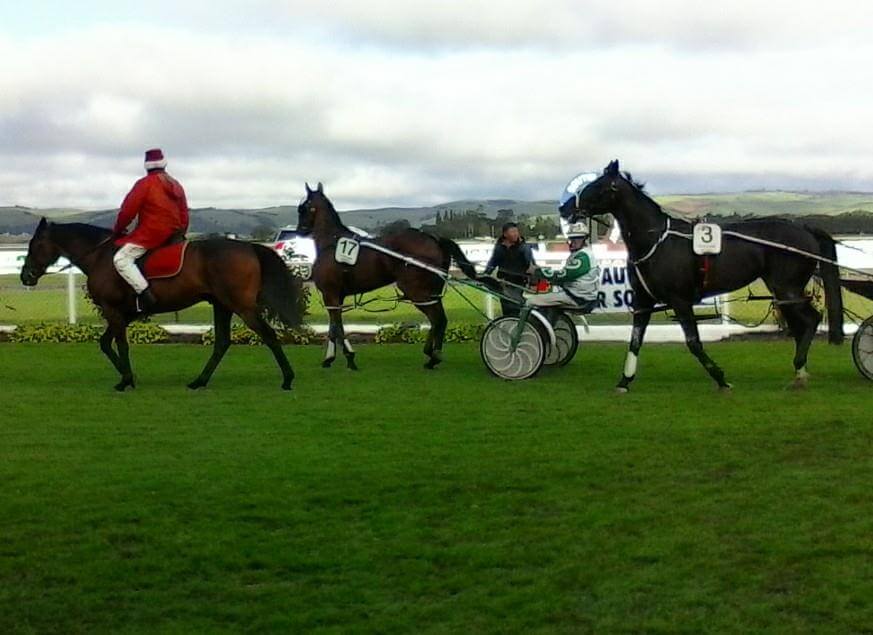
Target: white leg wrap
[331, 350]
[125, 264]
[348, 346]
[630, 365]
[802, 373]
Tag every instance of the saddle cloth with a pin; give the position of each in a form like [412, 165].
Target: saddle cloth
[164, 262]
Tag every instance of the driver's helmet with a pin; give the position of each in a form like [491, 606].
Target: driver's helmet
[575, 186]
[575, 230]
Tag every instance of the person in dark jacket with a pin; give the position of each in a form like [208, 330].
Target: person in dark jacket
[513, 259]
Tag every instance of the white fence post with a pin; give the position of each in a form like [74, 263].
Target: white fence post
[71, 295]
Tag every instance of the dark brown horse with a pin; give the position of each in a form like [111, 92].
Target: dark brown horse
[374, 269]
[235, 277]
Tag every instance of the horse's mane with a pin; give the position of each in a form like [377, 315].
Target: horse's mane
[83, 230]
[332, 211]
[641, 186]
[640, 189]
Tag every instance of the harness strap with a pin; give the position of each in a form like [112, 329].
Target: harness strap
[643, 281]
[664, 235]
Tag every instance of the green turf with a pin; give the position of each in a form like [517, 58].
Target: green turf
[400, 500]
[48, 302]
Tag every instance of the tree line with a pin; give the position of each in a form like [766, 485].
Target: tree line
[476, 223]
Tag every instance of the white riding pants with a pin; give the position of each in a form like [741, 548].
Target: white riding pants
[125, 265]
[558, 298]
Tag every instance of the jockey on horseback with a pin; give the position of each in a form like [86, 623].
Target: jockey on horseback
[159, 202]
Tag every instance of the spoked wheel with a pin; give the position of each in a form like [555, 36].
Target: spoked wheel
[498, 354]
[566, 342]
[862, 348]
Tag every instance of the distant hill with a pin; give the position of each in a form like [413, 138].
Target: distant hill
[769, 203]
[245, 222]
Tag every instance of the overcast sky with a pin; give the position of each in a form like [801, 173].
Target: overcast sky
[407, 103]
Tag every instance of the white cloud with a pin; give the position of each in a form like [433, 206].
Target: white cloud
[392, 103]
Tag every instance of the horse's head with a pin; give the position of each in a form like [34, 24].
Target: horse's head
[312, 204]
[42, 253]
[599, 197]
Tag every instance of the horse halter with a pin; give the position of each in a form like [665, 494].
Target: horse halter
[612, 188]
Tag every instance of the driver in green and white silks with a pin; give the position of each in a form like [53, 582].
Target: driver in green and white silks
[578, 282]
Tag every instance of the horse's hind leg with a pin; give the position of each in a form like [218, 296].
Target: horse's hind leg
[117, 325]
[221, 321]
[685, 314]
[106, 347]
[433, 347]
[803, 321]
[268, 335]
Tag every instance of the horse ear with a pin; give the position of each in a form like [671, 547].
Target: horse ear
[320, 188]
[42, 224]
[308, 189]
[612, 168]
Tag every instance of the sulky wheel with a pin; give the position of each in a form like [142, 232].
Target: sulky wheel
[862, 348]
[499, 356]
[566, 342]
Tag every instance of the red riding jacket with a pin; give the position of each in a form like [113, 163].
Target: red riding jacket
[159, 201]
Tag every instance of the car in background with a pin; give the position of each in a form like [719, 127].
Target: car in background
[298, 252]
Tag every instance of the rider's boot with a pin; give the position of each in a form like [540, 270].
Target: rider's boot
[146, 301]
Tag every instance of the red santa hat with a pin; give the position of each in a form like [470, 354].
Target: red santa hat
[154, 159]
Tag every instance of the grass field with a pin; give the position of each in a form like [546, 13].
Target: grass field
[397, 500]
[48, 302]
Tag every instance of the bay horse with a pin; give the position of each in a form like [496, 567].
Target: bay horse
[665, 272]
[235, 277]
[374, 269]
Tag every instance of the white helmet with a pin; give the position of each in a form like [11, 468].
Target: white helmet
[575, 186]
[575, 230]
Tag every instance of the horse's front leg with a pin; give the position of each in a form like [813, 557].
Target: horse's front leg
[685, 314]
[641, 322]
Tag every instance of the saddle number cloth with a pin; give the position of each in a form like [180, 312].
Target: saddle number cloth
[706, 239]
[346, 251]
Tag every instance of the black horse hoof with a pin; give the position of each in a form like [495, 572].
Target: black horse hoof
[197, 384]
[326, 363]
[353, 366]
[286, 386]
[123, 385]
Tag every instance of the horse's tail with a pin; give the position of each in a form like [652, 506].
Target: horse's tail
[453, 252]
[280, 292]
[830, 275]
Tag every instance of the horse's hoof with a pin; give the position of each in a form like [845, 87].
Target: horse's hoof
[352, 365]
[326, 363]
[727, 388]
[123, 385]
[621, 390]
[286, 386]
[196, 384]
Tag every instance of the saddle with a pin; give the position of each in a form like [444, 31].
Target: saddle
[166, 261]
